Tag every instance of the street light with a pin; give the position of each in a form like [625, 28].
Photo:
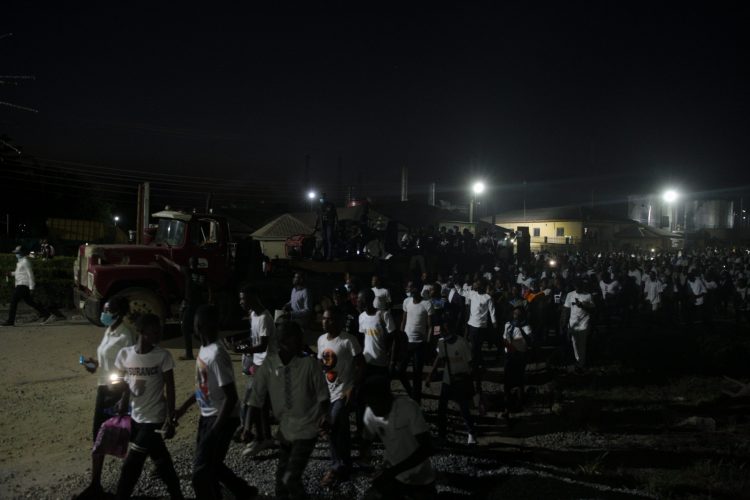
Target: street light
[670, 196]
[311, 195]
[477, 188]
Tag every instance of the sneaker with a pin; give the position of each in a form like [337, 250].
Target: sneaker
[256, 447]
[471, 440]
[50, 319]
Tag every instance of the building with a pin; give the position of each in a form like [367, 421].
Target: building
[567, 225]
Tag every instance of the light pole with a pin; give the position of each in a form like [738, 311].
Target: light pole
[477, 188]
[311, 196]
[670, 196]
[116, 218]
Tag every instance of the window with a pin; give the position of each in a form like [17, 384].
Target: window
[537, 232]
[170, 232]
[560, 231]
[207, 232]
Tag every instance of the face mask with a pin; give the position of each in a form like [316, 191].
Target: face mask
[408, 294]
[107, 318]
[19, 256]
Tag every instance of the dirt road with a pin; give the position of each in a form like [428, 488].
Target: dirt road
[45, 425]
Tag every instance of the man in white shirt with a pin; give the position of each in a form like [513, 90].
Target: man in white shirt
[399, 423]
[482, 319]
[299, 308]
[300, 399]
[216, 395]
[382, 301]
[261, 340]
[340, 356]
[652, 290]
[579, 306]
[415, 322]
[379, 349]
[24, 281]
[697, 292]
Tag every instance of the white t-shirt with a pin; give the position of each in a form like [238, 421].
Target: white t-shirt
[459, 354]
[579, 317]
[513, 335]
[636, 275]
[652, 289]
[337, 356]
[213, 370]
[481, 309]
[112, 342]
[261, 325]
[144, 374]
[382, 299]
[610, 288]
[398, 432]
[296, 391]
[416, 318]
[376, 329]
[697, 288]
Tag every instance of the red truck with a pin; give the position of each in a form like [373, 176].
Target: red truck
[152, 285]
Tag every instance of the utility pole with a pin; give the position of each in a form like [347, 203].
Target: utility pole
[404, 183]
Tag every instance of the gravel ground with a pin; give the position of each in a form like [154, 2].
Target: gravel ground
[46, 420]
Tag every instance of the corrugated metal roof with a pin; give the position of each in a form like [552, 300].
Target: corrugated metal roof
[569, 212]
[283, 227]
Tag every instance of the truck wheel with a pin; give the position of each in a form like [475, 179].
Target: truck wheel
[144, 301]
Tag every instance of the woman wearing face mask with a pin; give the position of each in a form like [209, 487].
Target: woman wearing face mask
[116, 336]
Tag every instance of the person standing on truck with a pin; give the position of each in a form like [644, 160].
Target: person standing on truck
[25, 283]
[298, 308]
[196, 294]
[328, 219]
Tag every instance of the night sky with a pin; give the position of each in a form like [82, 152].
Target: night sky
[571, 97]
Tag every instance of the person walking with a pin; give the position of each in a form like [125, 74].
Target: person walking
[196, 294]
[117, 335]
[300, 401]
[400, 425]
[262, 340]
[216, 395]
[517, 339]
[148, 373]
[579, 306]
[25, 284]
[415, 322]
[457, 384]
[340, 356]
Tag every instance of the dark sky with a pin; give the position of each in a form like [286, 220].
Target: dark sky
[613, 97]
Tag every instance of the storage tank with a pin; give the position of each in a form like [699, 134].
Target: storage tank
[711, 214]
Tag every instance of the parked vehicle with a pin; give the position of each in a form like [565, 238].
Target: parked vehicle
[105, 271]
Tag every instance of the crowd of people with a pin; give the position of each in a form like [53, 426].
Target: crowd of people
[456, 323]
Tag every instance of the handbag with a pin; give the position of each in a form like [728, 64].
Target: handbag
[461, 386]
[113, 437]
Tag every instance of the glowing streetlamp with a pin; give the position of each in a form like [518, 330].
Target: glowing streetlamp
[476, 189]
[311, 195]
[670, 196]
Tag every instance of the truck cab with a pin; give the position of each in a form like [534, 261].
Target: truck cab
[152, 284]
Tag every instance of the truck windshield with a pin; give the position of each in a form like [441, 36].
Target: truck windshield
[171, 232]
